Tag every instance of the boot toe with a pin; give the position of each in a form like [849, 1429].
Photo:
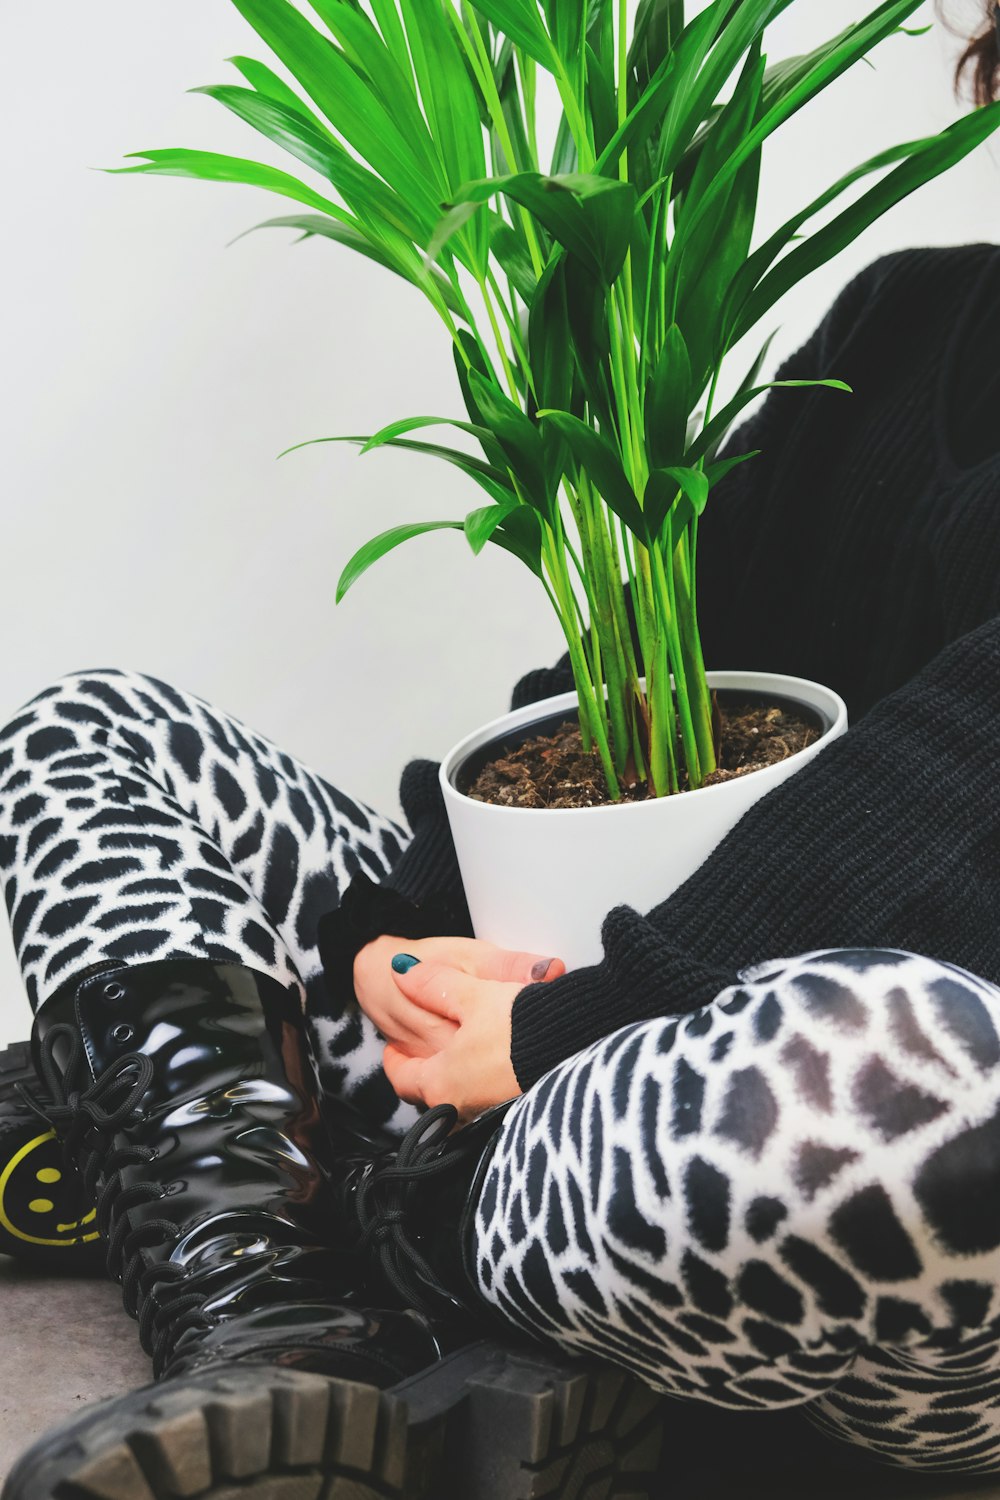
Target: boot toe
[487, 1423]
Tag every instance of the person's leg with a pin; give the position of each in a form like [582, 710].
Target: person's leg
[799, 1183]
[164, 870]
[138, 823]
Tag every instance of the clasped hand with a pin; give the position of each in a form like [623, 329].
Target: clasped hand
[447, 1019]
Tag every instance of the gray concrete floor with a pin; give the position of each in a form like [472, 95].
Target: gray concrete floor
[64, 1343]
[67, 1342]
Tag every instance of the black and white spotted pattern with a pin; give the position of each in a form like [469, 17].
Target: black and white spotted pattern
[137, 823]
[790, 1196]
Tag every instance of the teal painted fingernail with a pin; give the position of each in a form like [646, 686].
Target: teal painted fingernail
[403, 962]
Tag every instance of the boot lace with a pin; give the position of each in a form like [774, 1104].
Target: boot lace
[382, 1200]
[86, 1122]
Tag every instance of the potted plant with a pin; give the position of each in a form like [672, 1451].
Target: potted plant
[592, 304]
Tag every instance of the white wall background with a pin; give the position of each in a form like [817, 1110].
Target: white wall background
[150, 375]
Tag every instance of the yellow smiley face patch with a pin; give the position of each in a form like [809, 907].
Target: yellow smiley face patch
[39, 1200]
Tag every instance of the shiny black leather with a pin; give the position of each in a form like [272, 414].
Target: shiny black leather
[410, 1212]
[229, 1217]
[352, 1343]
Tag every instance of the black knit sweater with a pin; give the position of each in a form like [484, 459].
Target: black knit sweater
[861, 549]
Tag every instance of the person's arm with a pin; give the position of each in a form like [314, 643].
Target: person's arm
[889, 839]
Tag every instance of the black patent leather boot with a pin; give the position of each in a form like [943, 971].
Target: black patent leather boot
[410, 1210]
[42, 1223]
[181, 1090]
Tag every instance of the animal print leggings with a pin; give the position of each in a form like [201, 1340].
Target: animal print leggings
[137, 823]
[789, 1197]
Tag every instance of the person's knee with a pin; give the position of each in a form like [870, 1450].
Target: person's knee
[924, 1011]
[907, 1050]
[54, 719]
[87, 679]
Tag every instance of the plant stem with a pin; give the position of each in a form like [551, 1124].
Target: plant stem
[602, 618]
[576, 120]
[662, 755]
[449, 323]
[591, 717]
[527, 71]
[635, 457]
[693, 660]
[498, 338]
[474, 330]
[600, 661]
[651, 346]
[666, 598]
[514, 331]
[662, 732]
[483, 67]
[622, 404]
[628, 310]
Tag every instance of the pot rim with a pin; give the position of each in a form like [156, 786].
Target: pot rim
[809, 694]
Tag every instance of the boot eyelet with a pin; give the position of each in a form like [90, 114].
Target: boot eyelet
[114, 991]
[122, 1034]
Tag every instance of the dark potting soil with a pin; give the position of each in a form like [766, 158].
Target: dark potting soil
[555, 770]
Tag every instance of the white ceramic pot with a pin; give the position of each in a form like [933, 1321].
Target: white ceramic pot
[543, 880]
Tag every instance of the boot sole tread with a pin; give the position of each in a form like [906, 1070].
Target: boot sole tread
[524, 1428]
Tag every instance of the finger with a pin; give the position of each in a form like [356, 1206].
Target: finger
[436, 986]
[420, 1031]
[484, 960]
[513, 967]
[405, 1074]
[421, 1081]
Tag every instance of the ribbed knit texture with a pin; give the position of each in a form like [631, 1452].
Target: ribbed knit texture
[543, 682]
[861, 544]
[422, 896]
[428, 864]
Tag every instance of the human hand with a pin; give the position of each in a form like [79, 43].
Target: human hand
[470, 1066]
[418, 1030]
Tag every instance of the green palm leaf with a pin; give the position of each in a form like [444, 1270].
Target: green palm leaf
[411, 269]
[929, 160]
[376, 65]
[351, 105]
[720, 425]
[520, 20]
[590, 216]
[208, 166]
[385, 542]
[843, 53]
[366, 193]
[591, 310]
[264, 79]
[494, 481]
[599, 461]
[482, 523]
